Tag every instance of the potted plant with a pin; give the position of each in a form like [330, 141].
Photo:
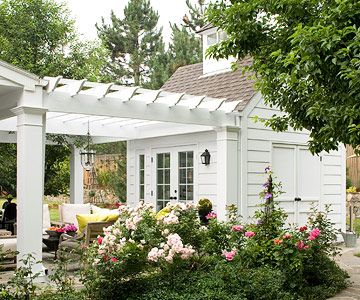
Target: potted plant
[204, 208]
[70, 229]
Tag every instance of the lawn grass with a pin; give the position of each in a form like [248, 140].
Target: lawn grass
[53, 209]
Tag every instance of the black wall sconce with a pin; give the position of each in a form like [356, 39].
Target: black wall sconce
[205, 157]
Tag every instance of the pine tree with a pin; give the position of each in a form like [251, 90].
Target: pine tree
[133, 42]
[197, 15]
[184, 49]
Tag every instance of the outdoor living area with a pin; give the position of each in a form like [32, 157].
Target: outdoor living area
[32, 107]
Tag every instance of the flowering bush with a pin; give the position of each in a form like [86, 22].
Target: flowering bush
[143, 245]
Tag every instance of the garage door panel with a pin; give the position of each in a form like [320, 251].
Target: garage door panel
[300, 174]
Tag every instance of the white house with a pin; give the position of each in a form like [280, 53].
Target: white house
[169, 168]
[203, 106]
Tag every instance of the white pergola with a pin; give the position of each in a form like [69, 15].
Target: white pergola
[30, 107]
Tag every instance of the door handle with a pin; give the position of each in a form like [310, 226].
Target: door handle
[297, 199]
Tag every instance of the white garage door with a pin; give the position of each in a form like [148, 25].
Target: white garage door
[300, 174]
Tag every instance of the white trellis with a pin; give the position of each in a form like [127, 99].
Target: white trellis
[30, 107]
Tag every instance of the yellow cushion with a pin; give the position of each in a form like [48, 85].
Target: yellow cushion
[84, 219]
[162, 213]
[111, 217]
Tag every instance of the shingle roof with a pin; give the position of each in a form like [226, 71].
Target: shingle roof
[230, 85]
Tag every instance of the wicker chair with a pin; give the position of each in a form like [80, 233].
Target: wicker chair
[74, 244]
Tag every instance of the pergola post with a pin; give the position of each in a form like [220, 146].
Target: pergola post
[227, 168]
[76, 177]
[30, 181]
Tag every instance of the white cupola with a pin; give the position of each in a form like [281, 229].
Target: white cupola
[210, 36]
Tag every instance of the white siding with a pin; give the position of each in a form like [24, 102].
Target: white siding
[255, 148]
[258, 147]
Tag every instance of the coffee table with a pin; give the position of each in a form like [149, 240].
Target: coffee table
[52, 243]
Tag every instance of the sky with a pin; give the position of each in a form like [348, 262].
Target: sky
[88, 12]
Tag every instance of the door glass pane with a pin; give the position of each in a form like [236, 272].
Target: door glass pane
[182, 176]
[160, 192]
[167, 176]
[190, 192]
[166, 160]
[189, 175]
[182, 192]
[182, 159]
[190, 159]
[186, 171]
[160, 176]
[162, 179]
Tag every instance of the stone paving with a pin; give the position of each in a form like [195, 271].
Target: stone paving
[351, 264]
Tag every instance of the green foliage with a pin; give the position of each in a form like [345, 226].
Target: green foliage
[113, 180]
[197, 15]
[184, 49]
[33, 33]
[133, 42]
[8, 168]
[305, 56]
[22, 284]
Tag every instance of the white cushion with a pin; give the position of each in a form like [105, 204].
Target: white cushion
[9, 244]
[68, 212]
[46, 217]
[103, 211]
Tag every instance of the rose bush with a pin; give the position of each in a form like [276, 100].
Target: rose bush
[144, 247]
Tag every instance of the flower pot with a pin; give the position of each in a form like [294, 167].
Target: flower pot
[349, 239]
[72, 233]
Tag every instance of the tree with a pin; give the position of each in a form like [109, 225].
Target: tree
[39, 36]
[197, 15]
[33, 33]
[184, 49]
[306, 58]
[132, 41]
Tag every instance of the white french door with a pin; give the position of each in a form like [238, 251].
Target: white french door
[300, 174]
[173, 170]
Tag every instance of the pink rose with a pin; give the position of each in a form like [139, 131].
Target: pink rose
[229, 256]
[314, 234]
[300, 245]
[249, 234]
[237, 228]
[99, 240]
[114, 259]
[211, 215]
[287, 236]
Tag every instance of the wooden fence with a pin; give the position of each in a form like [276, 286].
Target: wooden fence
[352, 166]
[103, 162]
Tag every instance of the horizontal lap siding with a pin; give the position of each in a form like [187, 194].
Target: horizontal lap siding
[259, 147]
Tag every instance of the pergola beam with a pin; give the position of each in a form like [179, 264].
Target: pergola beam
[113, 107]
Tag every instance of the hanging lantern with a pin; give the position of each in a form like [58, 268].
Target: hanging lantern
[88, 155]
[205, 157]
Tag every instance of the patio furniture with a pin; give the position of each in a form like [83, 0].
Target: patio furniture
[9, 217]
[8, 245]
[68, 212]
[72, 244]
